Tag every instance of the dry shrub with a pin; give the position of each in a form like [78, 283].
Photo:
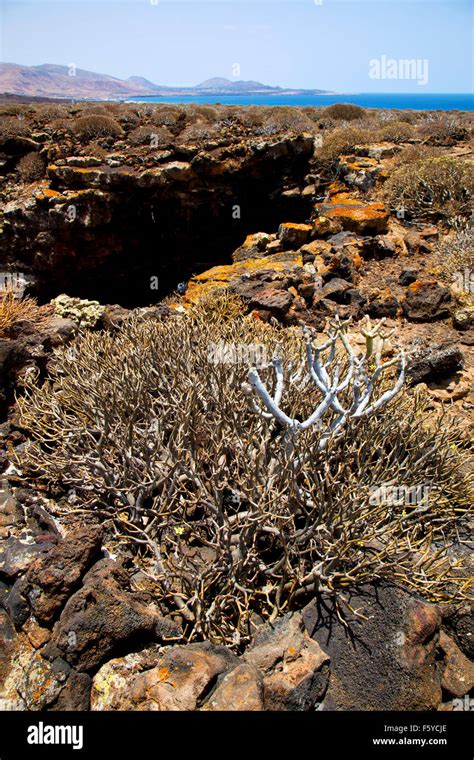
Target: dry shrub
[410, 154]
[46, 112]
[443, 130]
[164, 447]
[398, 132]
[218, 305]
[340, 142]
[31, 167]
[14, 310]
[12, 126]
[150, 135]
[168, 116]
[432, 188]
[344, 111]
[252, 117]
[199, 132]
[14, 109]
[93, 126]
[285, 119]
[96, 150]
[455, 254]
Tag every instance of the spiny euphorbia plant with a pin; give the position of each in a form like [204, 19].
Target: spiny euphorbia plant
[362, 374]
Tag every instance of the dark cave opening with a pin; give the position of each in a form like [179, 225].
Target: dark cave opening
[147, 243]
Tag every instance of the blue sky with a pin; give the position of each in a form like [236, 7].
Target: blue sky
[297, 43]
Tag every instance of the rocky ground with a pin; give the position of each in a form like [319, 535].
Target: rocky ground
[311, 239]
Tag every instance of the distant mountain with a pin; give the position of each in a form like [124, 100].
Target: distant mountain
[52, 81]
[221, 85]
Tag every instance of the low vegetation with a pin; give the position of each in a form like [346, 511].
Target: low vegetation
[97, 125]
[436, 188]
[230, 524]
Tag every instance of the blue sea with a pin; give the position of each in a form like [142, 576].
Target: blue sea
[415, 101]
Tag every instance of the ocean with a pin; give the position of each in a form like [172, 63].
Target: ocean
[416, 101]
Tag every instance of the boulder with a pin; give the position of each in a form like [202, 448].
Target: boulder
[426, 300]
[53, 577]
[293, 236]
[354, 215]
[458, 676]
[432, 363]
[253, 247]
[272, 299]
[295, 668]
[383, 304]
[386, 660]
[105, 615]
[17, 554]
[238, 690]
[176, 678]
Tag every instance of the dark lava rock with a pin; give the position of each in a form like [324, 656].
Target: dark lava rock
[434, 363]
[76, 694]
[334, 289]
[272, 299]
[387, 661]
[379, 247]
[104, 616]
[52, 579]
[17, 554]
[383, 305]
[408, 276]
[11, 513]
[13, 356]
[426, 300]
[458, 619]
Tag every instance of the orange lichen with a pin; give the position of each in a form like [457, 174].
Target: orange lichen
[225, 274]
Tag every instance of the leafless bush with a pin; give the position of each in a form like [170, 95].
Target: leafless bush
[168, 116]
[12, 126]
[198, 132]
[455, 254]
[410, 154]
[31, 167]
[285, 119]
[150, 135]
[437, 187]
[443, 130]
[228, 524]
